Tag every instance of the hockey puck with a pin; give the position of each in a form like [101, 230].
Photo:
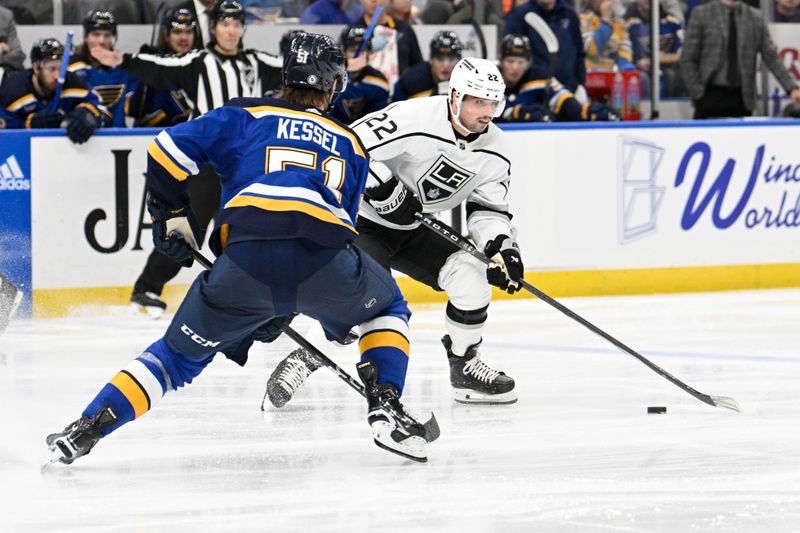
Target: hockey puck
[656, 410]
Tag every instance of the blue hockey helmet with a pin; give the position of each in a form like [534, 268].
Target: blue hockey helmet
[179, 18]
[99, 20]
[353, 36]
[48, 48]
[315, 61]
[515, 45]
[446, 43]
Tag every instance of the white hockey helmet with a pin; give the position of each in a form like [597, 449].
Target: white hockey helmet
[480, 78]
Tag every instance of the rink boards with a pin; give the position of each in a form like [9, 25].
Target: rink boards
[599, 209]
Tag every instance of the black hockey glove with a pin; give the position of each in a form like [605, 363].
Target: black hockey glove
[394, 203]
[45, 119]
[83, 121]
[506, 269]
[274, 328]
[175, 231]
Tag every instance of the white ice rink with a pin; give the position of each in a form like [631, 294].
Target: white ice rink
[576, 453]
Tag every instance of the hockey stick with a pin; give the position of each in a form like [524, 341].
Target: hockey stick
[544, 31]
[481, 38]
[62, 72]
[447, 233]
[371, 28]
[432, 431]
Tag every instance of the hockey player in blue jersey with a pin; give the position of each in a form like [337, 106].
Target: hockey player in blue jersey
[532, 97]
[431, 77]
[113, 85]
[284, 246]
[26, 97]
[151, 106]
[367, 88]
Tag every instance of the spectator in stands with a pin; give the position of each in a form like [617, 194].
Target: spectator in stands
[211, 77]
[30, 11]
[404, 10]
[153, 107]
[531, 97]
[431, 77]
[670, 30]
[26, 98]
[124, 11]
[492, 13]
[787, 11]
[367, 88]
[570, 67]
[605, 37]
[114, 86]
[718, 61]
[201, 10]
[11, 54]
[332, 12]
[437, 11]
[408, 52]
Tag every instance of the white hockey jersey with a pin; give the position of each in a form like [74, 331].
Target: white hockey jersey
[414, 141]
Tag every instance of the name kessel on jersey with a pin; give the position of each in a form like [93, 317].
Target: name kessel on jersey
[442, 180]
[304, 130]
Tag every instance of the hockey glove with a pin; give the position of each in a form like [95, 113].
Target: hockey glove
[83, 121]
[274, 328]
[45, 119]
[506, 269]
[175, 231]
[394, 203]
[532, 113]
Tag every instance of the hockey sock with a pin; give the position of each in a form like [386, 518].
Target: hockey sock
[135, 389]
[384, 341]
[465, 327]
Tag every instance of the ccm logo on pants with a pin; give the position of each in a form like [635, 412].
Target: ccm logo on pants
[197, 338]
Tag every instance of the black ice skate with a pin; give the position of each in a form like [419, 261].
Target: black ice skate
[149, 302]
[393, 429]
[289, 376]
[475, 382]
[78, 438]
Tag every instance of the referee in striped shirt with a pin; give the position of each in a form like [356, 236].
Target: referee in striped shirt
[210, 77]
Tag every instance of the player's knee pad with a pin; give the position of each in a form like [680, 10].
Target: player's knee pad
[463, 278]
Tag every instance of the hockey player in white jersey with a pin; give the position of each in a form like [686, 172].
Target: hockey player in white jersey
[430, 155]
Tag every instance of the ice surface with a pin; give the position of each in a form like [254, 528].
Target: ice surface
[576, 453]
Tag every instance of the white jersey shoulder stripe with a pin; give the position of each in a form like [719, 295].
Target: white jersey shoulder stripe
[182, 159]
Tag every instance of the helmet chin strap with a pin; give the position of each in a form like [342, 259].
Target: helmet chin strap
[457, 115]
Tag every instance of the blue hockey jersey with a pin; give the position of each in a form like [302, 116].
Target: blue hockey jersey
[367, 91]
[286, 171]
[114, 86]
[19, 100]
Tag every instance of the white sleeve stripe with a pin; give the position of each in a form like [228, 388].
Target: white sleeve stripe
[172, 149]
[169, 61]
[269, 59]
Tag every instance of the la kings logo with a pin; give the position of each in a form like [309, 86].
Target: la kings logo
[442, 180]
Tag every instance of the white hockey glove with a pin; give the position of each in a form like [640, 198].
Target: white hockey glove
[506, 269]
[394, 203]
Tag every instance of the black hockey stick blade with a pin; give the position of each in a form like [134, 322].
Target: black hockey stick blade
[432, 431]
[448, 233]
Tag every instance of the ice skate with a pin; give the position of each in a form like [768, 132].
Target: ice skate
[392, 427]
[474, 381]
[289, 376]
[149, 302]
[78, 438]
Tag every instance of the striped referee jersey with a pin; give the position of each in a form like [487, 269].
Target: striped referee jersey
[209, 78]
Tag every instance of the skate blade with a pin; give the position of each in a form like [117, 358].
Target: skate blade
[469, 396]
[55, 457]
[420, 459]
[152, 312]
